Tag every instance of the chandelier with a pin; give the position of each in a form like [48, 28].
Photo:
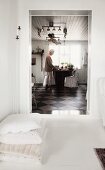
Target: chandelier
[51, 27]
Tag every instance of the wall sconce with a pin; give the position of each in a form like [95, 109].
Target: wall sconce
[17, 37]
[18, 30]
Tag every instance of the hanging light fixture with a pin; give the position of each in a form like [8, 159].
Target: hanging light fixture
[52, 38]
[51, 25]
[48, 29]
[59, 29]
[53, 29]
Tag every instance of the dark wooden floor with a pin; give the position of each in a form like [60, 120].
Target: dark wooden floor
[65, 99]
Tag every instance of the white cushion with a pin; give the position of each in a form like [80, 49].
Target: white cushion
[31, 137]
[15, 123]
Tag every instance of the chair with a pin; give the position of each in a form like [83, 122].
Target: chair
[72, 81]
[35, 84]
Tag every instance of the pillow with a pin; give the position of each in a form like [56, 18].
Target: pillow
[15, 123]
[31, 137]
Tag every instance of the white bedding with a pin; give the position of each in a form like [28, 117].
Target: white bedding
[15, 123]
[31, 137]
[16, 158]
[27, 151]
[24, 151]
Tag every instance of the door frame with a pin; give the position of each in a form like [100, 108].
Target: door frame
[65, 13]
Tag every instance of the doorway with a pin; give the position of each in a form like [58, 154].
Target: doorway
[38, 17]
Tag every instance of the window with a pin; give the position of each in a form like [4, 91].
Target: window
[67, 54]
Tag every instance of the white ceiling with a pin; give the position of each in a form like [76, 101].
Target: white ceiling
[77, 27]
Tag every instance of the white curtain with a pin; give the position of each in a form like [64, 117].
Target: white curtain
[67, 54]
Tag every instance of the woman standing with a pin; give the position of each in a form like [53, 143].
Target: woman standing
[49, 68]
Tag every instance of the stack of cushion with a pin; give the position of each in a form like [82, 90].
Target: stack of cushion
[20, 135]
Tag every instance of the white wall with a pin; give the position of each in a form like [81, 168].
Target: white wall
[97, 38]
[8, 24]
[36, 69]
[101, 97]
[8, 59]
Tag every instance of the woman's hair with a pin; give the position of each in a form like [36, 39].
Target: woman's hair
[51, 52]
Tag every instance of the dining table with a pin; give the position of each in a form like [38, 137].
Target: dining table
[59, 76]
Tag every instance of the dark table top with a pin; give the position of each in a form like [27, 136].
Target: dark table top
[63, 72]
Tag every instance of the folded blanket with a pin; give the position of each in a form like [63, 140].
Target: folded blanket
[31, 137]
[28, 151]
[24, 151]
